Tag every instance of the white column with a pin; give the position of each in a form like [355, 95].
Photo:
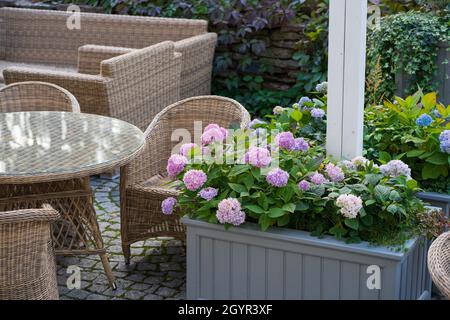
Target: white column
[346, 77]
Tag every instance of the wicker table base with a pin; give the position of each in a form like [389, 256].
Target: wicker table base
[78, 232]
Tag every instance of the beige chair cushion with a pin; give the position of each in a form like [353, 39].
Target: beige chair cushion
[6, 64]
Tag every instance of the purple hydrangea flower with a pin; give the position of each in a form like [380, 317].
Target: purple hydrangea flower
[185, 149]
[322, 87]
[444, 139]
[176, 164]
[194, 179]
[229, 211]
[168, 204]
[318, 178]
[208, 193]
[211, 126]
[317, 113]
[303, 101]
[303, 185]
[395, 168]
[254, 123]
[300, 144]
[424, 120]
[285, 140]
[258, 157]
[277, 178]
[334, 172]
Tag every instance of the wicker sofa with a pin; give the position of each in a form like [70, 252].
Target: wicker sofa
[37, 45]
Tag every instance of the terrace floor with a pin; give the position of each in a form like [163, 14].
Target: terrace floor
[157, 269]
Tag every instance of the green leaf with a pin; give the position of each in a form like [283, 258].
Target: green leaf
[237, 187]
[411, 184]
[352, 223]
[432, 171]
[276, 212]
[284, 220]
[438, 158]
[369, 202]
[254, 208]
[290, 207]
[429, 100]
[238, 169]
[414, 153]
[392, 208]
[382, 192]
[337, 231]
[394, 196]
[265, 222]
[302, 206]
[367, 220]
[384, 157]
[296, 115]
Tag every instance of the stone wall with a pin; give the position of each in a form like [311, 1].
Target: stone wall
[280, 69]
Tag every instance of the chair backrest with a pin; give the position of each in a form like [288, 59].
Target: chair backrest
[27, 261]
[169, 129]
[43, 36]
[143, 82]
[36, 96]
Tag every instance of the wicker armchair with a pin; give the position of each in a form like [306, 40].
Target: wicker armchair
[36, 96]
[27, 262]
[142, 189]
[439, 263]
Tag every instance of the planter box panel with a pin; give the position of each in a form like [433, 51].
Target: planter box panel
[245, 263]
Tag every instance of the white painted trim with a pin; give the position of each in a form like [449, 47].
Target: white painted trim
[346, 77]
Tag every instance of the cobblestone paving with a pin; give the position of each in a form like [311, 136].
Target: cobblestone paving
[157, 269]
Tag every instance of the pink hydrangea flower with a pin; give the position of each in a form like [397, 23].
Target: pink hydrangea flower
[277, 178]
[303, 185]
[318, 178]
[176, 164]
[168, 204]
[229, 211]
[212, 135]
[211, 126]
[194, 179]
[334, 172]
[208, 193]
[285, 140]
[185, 149]
[258, 157]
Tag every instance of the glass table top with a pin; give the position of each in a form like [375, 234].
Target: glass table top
[52, 145]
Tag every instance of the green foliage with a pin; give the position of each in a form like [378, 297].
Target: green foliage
[391, 132]
[406, 42]
[388, 212]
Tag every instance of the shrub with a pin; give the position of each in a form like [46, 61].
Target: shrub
[355, 200]
[410, 129]
[405, 42]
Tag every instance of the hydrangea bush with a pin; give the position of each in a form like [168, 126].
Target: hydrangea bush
[415, 130]
[289, 183]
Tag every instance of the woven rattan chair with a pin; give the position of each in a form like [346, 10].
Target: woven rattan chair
[80, 60]
[439, 263]
[142, 189]
[36, 96]
[27, 262]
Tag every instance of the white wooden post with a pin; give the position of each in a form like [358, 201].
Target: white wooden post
[346, 77]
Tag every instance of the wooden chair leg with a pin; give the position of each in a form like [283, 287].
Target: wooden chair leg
[108, 271]
[126, 253]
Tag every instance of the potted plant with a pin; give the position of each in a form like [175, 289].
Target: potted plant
[296, 224]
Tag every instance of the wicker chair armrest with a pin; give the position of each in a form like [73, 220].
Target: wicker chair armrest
[89, 90]
[46, 214]
[90, 57]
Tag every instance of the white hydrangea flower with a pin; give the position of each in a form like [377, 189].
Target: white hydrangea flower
[350, 205]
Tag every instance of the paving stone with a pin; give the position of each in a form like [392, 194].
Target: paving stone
[165, 292]
[152, 297]
[134, 295]
[157, 269]
[78, 294]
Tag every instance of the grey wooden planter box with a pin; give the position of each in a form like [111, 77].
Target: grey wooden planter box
[246, 263]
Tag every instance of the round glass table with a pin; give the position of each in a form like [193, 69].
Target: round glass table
[47, 157]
